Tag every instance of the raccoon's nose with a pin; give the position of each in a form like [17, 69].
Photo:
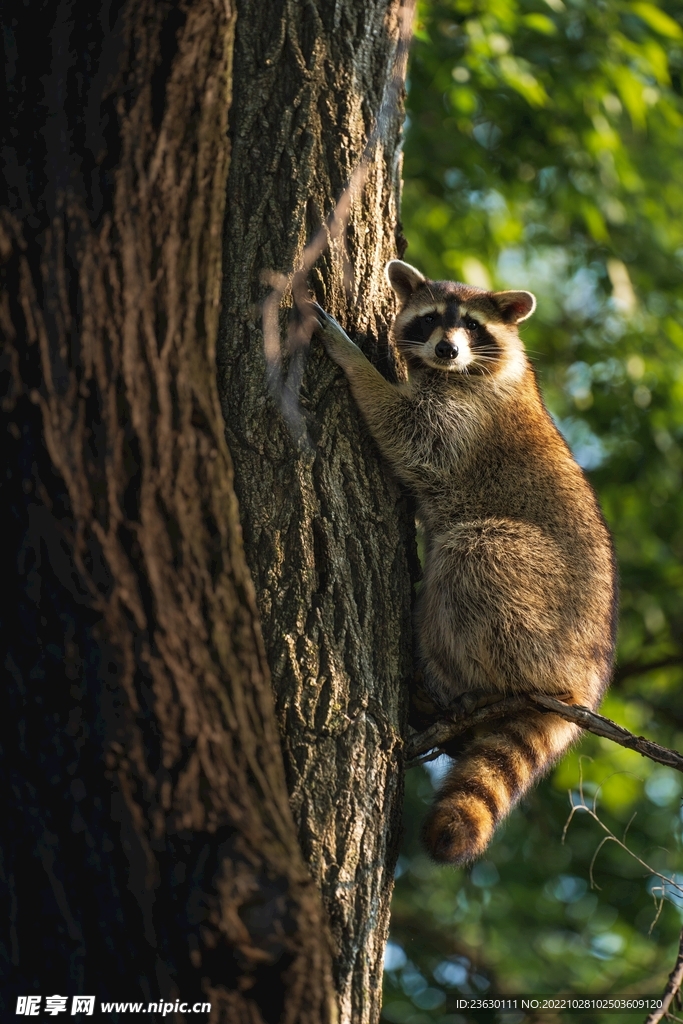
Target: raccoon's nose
[445, 350]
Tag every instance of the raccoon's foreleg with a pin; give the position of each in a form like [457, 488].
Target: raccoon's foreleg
[382, 405]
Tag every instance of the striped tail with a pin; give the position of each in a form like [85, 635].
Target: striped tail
[490, 775]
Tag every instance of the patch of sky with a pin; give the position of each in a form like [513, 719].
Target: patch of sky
[578, 380]
[671, 891]
[587, 448]
[607, 945]
[566, 888]
[581, 294]
[547, 179]
[453, 972]
[608, 371]
[429, 998]
[394, 957]
[487, 199]
[599, 269]
[438, 769]
[487, 134]
[453, 177]
[542, 270]
[613, 327]
[663, 787]
[412, 982]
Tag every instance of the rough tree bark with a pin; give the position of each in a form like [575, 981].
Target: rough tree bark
[327, 534]
[147, 846]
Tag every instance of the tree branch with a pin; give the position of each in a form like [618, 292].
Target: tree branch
[634, 668]
[672, 987]
[462, 720]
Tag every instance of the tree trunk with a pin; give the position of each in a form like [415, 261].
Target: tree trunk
[325, 528]
[148, 849]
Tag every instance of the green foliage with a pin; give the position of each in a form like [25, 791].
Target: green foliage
[544, 150]
[526, 918]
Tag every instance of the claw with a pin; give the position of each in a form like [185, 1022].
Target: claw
[326, 320]
[321, 316]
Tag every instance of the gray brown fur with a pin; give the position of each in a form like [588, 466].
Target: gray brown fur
[519, 589]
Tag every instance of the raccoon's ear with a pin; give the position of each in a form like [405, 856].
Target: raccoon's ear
[514, 306]
[403, 278]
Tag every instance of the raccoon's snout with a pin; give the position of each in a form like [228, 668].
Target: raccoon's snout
[445, 350]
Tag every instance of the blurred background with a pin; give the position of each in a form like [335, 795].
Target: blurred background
[544, 150]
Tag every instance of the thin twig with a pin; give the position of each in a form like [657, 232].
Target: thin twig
[445, 730]
[672, 988]
[460, 721]
[669, 882]
[601, 726]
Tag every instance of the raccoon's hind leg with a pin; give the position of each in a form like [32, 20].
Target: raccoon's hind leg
[489, 777]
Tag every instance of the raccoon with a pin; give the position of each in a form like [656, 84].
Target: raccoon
[519, 590]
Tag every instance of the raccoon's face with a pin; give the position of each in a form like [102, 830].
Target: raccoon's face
[457, 328]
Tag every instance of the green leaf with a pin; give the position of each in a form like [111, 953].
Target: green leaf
[540, 23]
[658, 19]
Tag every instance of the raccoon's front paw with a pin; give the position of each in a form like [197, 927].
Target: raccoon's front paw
[337, 343]
[327, 325]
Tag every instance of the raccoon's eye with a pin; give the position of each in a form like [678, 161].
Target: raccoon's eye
[470, 323]
[428, 318]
